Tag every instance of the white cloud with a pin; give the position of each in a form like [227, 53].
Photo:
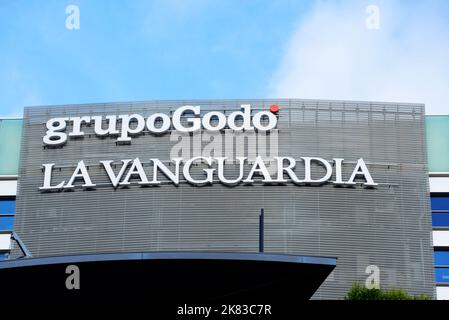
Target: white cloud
[332, 55]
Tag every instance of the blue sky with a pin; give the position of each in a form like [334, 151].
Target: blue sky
[175, 49]
[137, 50]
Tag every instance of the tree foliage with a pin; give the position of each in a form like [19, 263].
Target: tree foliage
[359, 292]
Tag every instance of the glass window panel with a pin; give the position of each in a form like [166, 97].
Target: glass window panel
[7, 206]
[441, 258]
[440, 203]
[11, 133]
[442, 275]
[440, 220]
[6, 223]
[437, 136]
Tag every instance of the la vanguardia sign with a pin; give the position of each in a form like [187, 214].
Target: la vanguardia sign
[275, 170]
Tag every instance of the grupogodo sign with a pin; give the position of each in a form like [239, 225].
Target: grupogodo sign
[188, 120]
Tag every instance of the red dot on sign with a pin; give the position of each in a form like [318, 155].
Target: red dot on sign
[274, 108]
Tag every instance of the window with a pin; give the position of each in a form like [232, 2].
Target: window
[440, 212]
[11, 133]
[7, 211]
[441, 266]
[442, 275]
[440, 204]
[7, 206]
[441, 258]
[437, 136]
[6, 223]
[440, 220]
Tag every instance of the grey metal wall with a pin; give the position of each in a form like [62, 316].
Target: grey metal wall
[389, 226]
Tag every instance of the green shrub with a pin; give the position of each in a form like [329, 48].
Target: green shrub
[359, 292]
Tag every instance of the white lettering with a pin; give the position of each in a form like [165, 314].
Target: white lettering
[361, 170]
[338, 175]
[80, 172]
[54, 135]
[48, 168]
[126, 126]
[285, 172]
[246, 117]
[209, 172]
[112, 126]
[159, 123]
[289, 170]
[174, 177]
[136, 169]
[221, 177]
[308, 175]
[260, 168]
[112, 177]
[77, 122]
[165, 125]
[196, 122]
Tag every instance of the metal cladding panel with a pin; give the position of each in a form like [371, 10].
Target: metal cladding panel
[388, 226]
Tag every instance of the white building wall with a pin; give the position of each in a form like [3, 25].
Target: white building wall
[442, 293]
[5, 241]
[441, 238]
[439, 184]
[8, 188]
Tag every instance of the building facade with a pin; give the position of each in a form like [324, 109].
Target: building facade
[10, 137]
[359, 189]
[437, 133]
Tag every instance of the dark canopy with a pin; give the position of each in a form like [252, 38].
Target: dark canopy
[187, 275]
